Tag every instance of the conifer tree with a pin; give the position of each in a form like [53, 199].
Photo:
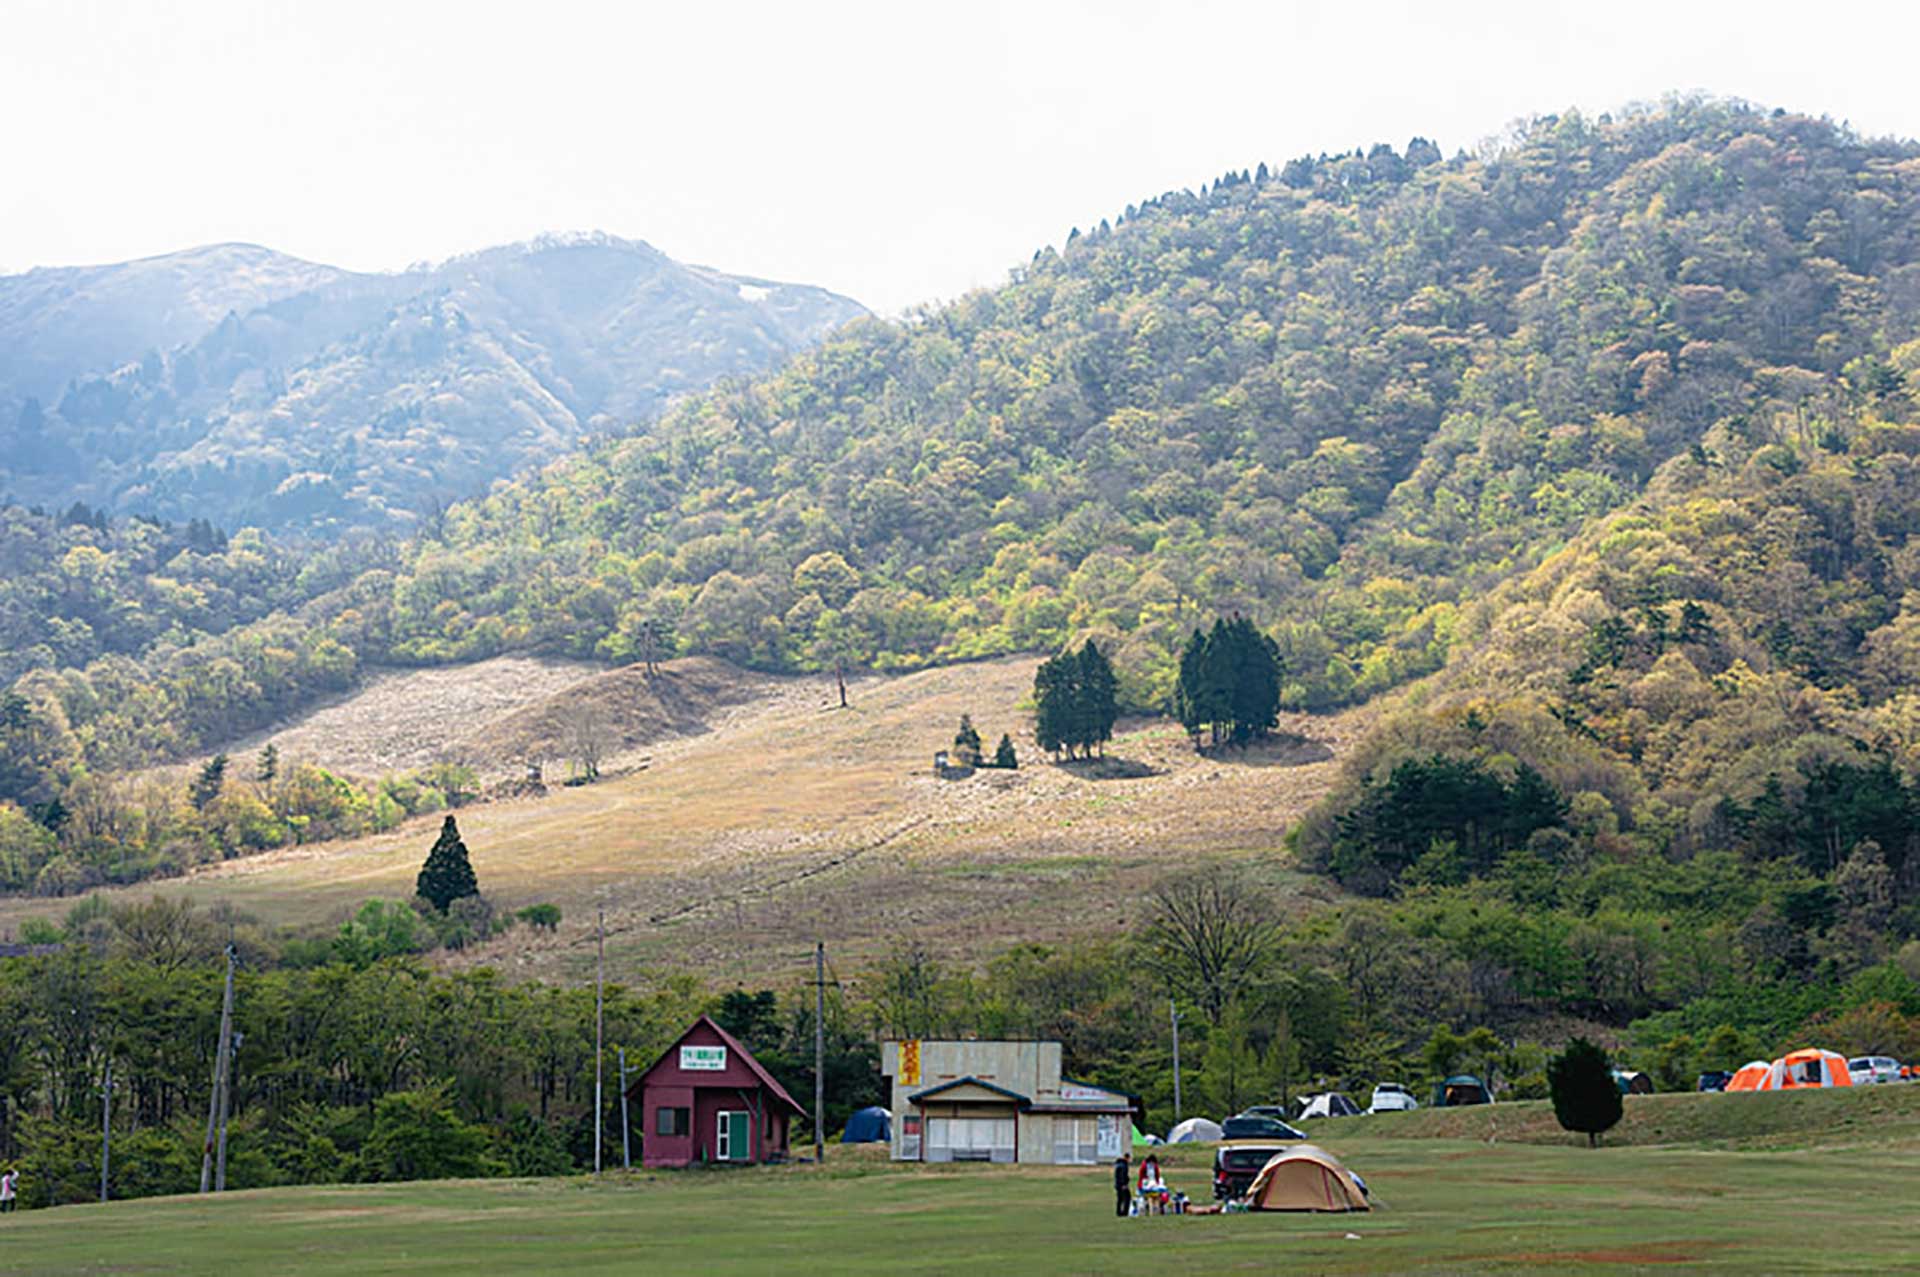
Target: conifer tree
[208, 784]
[966, 742]
[448, 875]
[1097, 699]
[1585, 1097]
[1004, 756]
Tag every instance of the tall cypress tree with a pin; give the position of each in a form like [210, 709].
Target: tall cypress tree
[448, 875]
[1097, 699]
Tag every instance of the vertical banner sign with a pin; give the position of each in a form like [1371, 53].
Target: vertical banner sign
[1107, 1135]
[910, 1062]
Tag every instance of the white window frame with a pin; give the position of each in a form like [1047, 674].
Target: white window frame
[722, 1138]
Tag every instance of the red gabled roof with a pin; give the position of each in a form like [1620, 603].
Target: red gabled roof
[733, 1044]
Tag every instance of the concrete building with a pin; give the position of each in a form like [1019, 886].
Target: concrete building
[998, 1102]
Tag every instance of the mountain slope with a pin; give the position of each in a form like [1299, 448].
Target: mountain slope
[362, 400]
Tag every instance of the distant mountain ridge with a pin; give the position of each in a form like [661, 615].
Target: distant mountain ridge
[248, 387]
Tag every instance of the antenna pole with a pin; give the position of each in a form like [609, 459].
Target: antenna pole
[106, 1128]
[626, 1152]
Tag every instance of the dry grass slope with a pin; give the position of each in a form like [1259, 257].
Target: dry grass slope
[767, 815]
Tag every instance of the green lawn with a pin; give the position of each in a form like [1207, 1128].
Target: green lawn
[1450, 1205]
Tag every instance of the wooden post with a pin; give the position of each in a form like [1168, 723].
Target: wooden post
[219, 1077]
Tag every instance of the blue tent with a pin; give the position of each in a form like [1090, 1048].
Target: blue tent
[868, 1126]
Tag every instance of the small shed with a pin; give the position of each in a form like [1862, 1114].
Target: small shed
[708, 1100]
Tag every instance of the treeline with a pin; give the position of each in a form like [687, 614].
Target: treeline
[94, 831]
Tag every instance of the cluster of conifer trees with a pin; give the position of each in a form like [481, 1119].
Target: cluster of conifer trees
[1229, 684]
[1076, 700]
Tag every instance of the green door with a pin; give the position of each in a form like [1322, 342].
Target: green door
[739, 1143]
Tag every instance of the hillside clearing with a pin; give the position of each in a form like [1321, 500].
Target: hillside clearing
[773, 814]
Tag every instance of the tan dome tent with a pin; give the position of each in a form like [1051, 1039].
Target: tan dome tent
[1305, 1177]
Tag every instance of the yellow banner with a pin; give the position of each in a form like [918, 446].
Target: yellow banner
[910, 1062]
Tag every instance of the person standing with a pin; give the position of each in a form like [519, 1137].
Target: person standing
[9, 1189]
[1122, 1186]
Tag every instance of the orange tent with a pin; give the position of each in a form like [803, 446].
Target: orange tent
[1796, 1070]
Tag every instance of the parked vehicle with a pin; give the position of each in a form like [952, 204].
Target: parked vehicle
[1715, 1080]
[1277, 1112]
[1235, 1164]
[1391, 1097]
[1258, 1126]
[1873, 1068]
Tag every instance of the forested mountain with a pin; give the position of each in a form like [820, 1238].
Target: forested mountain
[1367, 400]
[245, 387]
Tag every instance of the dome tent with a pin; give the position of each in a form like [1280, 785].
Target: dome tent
[1195, 1130]
[1306, 1177]
[872, 1125]
[1796, 1070]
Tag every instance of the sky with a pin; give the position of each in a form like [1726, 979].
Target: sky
[901, 153]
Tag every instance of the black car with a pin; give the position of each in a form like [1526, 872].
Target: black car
[1258, 1126]
[1714, 1081]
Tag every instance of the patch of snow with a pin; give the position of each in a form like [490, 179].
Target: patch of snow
[754, 293]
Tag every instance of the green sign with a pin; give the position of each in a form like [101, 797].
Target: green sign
[703, 1059]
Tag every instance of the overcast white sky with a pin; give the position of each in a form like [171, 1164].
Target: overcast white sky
[898, 152]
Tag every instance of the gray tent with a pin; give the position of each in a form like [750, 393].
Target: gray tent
[1195, 1130]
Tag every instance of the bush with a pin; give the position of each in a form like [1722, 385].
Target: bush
[418, 1135]
[1585, 1097]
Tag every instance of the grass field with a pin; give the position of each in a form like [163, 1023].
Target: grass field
[789, 817]
[1838, 1200]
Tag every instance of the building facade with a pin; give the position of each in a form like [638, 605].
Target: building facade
[708, 1100]
[969, 1101]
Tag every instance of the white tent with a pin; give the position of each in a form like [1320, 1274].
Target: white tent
[1328, 1104]
[1195, 1130]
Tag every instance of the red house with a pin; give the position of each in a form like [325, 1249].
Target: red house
[708, 1100]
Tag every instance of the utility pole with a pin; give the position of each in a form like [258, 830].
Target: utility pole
[1174, 1011]
[106, 1128]
[819, 1051]
[226, 1108]
[599, 1005]
[626, 1152]
[219, 1076]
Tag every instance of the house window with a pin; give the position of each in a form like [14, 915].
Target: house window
[670, 1121]
[732, 1141]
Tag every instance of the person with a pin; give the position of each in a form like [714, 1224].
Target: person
[1122, 1186]
[1153, 1189]
[9, 1189]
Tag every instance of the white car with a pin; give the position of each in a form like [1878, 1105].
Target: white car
[1873, 1068]
[1391, 1097]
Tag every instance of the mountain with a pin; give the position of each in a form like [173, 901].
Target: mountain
[242, 387]
[1583, 443]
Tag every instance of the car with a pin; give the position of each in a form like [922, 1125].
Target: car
[1259, 1126]
[1873, 1068]
[1391, 1097]
[1277, 1112]
[1713, 1080]
[1237, 1162]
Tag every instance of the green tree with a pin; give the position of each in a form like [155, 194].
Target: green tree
[1004, 757]
[447, 875]
[269, 765]
[207, 785]
[1585, 1097]
[966, 742]
[419, 1135]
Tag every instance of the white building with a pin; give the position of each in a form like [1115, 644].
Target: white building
[998, 1102]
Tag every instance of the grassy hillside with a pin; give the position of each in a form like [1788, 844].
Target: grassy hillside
[786, 815]
[1448, 1206]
